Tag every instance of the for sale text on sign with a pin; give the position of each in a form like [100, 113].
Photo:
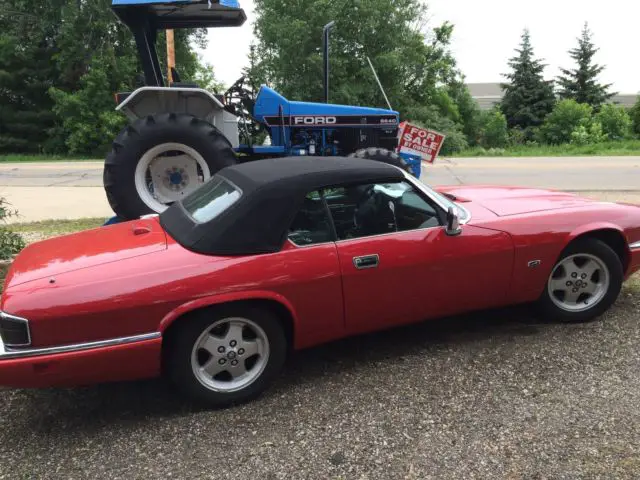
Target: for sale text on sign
[420, 141]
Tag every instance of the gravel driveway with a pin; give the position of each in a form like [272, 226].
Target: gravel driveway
[492, 395]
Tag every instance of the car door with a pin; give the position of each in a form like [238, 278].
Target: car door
[399, 265]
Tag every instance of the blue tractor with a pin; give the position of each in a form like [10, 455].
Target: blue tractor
[179, 135]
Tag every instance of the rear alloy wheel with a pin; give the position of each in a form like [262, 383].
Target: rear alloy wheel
[226, 358]
[584, 282]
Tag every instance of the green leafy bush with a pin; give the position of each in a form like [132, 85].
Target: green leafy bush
[10, 242]
[495, 134]
[88, 120]
[588, 135]
[563, 120]
[616, 122]
[634, 113]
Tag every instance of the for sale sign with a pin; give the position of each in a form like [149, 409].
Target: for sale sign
[420, 141]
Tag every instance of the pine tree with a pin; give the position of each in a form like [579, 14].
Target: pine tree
[581, 84]
[528, 97]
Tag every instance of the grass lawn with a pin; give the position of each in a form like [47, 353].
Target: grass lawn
[620, 148]
[34, 231]
[13, 158]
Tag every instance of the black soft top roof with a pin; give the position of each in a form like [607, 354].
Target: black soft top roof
[272, 192]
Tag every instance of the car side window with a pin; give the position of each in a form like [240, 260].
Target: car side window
[311, 224]
[379, 208]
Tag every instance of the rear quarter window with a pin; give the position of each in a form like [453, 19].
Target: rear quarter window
[210, 200]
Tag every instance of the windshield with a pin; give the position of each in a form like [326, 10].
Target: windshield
[210, 200]
[445, 202]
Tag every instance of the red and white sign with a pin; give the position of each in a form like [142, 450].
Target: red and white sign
[420, 141]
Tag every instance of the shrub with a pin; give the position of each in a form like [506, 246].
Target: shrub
[635, 117]
[10, 242]
[495, 134]
[563, 120]
[616, 122]
[583, 135]
[517, 137]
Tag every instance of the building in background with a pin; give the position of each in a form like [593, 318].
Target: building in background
[488, 94]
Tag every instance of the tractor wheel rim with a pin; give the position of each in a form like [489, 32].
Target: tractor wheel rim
[578, 282]
[167, 173]
[230, 355]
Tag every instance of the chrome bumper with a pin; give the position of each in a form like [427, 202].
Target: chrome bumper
[8, 353]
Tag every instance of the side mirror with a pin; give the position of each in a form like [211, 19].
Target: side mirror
[453, 223]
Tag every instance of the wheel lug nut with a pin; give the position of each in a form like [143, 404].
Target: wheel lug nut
[241, 351]
[575, 290]
[233, 343]
[221, 349]
[234, 362]
[583, 276]
[222, 361]
[574, 275]
[569, 284]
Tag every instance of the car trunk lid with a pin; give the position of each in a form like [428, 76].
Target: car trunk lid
[90, 248]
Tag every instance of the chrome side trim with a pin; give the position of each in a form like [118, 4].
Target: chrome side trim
[76, 347]
[17, 319]
[634, 246]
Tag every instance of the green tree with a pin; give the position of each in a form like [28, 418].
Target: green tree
[616, 122]
[581, 84]
[495, 132]
[528, 98]
[634, 112]
[564, 119]
[26, 71]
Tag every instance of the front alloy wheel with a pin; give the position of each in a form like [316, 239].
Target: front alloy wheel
[584, 282]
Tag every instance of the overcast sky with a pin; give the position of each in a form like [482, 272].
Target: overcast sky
[487, 31]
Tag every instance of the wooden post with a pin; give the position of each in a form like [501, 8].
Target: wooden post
[171, 56]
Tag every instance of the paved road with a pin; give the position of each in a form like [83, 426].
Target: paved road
[73, 190]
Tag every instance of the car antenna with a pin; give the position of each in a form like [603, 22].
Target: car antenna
[379, 83]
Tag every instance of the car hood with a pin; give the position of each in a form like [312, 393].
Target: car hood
[505, 201]
[90, 248]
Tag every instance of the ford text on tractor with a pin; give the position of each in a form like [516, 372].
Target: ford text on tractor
[180, 135]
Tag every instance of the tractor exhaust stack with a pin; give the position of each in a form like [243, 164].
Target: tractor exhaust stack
[325, 50]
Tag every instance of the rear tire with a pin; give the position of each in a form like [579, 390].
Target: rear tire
[382, 155]
[193, 137]
[225, 355]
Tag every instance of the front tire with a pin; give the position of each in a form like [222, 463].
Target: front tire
[226, 356]
[384, 156]
[585, 281]
[160, 159]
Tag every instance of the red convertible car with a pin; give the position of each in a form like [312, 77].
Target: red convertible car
[284, 254]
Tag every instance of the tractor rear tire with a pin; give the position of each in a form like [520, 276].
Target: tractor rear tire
[382, 155]
[210, 147]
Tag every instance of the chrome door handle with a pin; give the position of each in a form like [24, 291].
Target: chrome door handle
[366, 261]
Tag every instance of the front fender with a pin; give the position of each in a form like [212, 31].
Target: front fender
[227, 298]
[592, 227]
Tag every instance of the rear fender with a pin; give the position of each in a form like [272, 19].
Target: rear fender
[209, 301]
[193, 101]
